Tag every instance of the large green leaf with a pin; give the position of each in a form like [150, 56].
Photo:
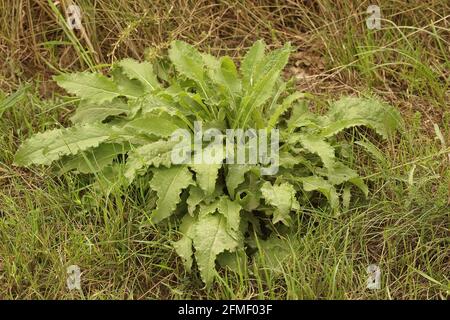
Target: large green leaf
[230, 209]
[351, 111]
[187, 60]
[319, 146]
[211, 237]
[196, 196]
[224, 74]
[339, 173]
[94, 160]
[90, 112]
[92, 87]
[206, 176]
[283, 107]
[183, 247]
[44, 148]
[168, 184]
[142, 71]
[236, 261]
[283, 198]
[153, 154]
[302, 117]
[130, 88]
[251, 67]
[235, 176]
[359, 182]
[315, 183]
[160, 125]
[262, 90]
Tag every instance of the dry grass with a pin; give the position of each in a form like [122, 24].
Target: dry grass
[36, 45]
[44, 224]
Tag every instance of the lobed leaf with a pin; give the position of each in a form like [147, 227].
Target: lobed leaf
[187, 60]
[283, 198]
[212, 237]
[90, 113]
[319, 146]
[183, 247]
[206, 176]
[315, 183]
[44, 148]
[95, 159]
[235, 176]
[351, 111]
[160, 125]
[92, 87]
[142, 71]
[153, 154]
[168, 184]
[196, 196]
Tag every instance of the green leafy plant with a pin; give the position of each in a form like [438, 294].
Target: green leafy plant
[123, 125]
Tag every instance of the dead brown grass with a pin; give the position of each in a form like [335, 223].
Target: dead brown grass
[335, 52]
